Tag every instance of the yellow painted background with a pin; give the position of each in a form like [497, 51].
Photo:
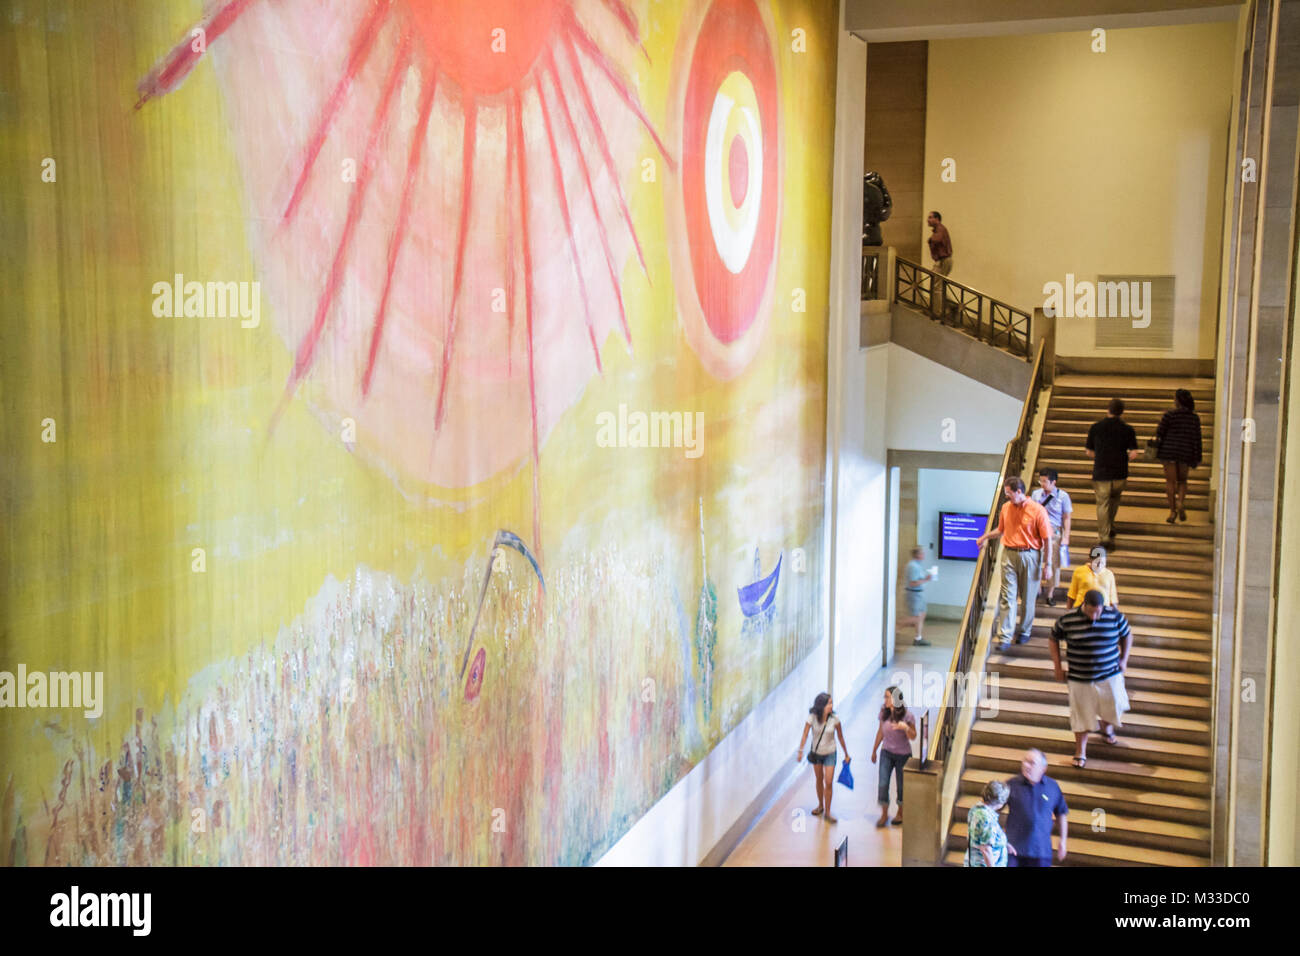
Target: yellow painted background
[162, 443]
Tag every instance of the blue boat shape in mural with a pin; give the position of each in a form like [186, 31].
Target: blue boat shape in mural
[757, 597]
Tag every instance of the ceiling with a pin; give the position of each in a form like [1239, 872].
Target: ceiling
[879, 21]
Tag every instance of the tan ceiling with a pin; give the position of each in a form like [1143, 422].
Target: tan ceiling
[891, 20]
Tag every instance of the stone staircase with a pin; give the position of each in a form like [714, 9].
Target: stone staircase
[1146, 800]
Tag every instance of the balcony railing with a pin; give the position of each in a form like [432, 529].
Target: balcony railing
[964, 308]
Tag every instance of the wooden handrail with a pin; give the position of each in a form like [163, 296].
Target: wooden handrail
[1013, 462]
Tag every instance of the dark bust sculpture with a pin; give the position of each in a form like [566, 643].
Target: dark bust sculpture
[876, 207]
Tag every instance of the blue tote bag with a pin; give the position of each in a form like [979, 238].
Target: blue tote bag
[845, 777]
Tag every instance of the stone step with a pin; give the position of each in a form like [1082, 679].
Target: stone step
[1138, 597]
[1154, 658]
[1135, 678]
[1128, 555]
[1142, 495]
[1072, 383]
[1070, 430]
[1074, 471]
[1086, 521]
[1088, 415]
[1091, 794]
[1186, 620]
[1045, 690]
[1093, 852]
[1103, 771]
[1152, 637]
[1179, 579]
[1105, 826]
[1137, 724]
[1064, 397]
[1150, 548]
[1129, 748]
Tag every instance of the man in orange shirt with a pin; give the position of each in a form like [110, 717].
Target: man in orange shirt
[1027, 557]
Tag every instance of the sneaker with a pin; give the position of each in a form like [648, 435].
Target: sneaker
[920, 642]
[1024, 638]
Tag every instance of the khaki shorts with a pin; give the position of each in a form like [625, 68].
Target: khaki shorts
[1094, 701]
[1057, 564]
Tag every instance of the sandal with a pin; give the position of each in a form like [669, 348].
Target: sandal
[817, 812]
[1108, 735]
[1080, 762]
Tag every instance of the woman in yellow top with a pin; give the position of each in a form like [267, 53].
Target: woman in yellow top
[1093, 576]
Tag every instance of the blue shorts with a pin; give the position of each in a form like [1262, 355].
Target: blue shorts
[823, 759]
[914, 601]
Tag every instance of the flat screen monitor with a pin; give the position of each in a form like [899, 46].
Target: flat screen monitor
[958, 531]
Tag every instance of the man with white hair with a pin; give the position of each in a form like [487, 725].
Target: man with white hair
[1034, 803]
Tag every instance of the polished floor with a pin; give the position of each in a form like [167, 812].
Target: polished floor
[788, 835]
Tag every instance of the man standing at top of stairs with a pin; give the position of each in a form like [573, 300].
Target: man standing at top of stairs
[940, 244]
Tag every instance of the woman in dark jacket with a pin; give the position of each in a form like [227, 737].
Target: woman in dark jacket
[1178, 446]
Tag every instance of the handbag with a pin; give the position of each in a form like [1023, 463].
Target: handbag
[1152, 451]
[819, 740]
[845, 777]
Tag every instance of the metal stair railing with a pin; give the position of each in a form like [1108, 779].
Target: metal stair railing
[979, 315]
[955, 703]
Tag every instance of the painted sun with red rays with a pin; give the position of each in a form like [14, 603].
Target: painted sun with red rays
[451, 295]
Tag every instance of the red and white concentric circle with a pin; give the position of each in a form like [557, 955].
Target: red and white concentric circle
[724, 203]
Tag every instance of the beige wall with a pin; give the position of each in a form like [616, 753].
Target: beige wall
[1283, 828]
[895, 137]
[1070, 161]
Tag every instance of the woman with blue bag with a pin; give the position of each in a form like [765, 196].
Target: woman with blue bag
[823, 725]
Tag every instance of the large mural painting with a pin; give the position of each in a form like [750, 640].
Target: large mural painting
[413, 414]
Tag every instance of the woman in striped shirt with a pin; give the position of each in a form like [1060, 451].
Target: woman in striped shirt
[1178, 446]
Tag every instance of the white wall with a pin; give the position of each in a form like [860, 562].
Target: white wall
[923, 395]
[1070, 161]
[860, 598]
[858, 392]
[949, 490]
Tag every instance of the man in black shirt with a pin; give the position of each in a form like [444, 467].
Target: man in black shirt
[1111, 445]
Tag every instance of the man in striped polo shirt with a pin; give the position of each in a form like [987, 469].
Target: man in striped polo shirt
[1097, 644]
